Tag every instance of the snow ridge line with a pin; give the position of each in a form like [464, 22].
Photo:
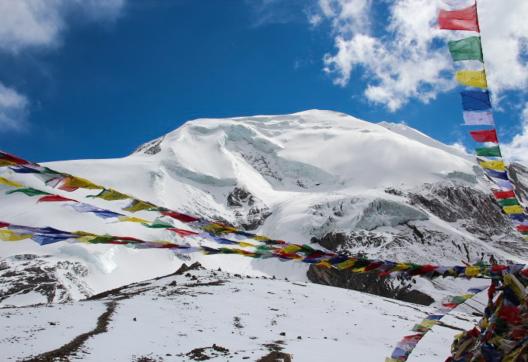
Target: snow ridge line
[75, 344]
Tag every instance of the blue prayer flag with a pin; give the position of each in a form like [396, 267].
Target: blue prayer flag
[475, 100]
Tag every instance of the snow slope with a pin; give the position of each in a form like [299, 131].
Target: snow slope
[196, 313]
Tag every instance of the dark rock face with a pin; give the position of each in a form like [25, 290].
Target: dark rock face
[250, 211]
[51, 278]
[370, 282]
[463, 203]
[519, 176]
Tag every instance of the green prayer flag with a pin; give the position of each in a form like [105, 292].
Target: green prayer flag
[158, 224]
[466, 49]
[508, 202]
[489, 151]
[28, 191]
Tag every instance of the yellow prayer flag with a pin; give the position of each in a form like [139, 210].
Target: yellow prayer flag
[472, 271]
[324, 264]
[74, 181]
[8, 235]
[401, 267]
[346, 264]
[493, 165]
[428, 323]
[290, 249]
[243, 244]
[111, 195]
[7, 182]
[517, 287]
[132, 219]
[472, 78]
[6, 163]
[138, 205]
[515, 209]
[261, 238]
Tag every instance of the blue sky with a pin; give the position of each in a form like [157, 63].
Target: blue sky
[107, 79]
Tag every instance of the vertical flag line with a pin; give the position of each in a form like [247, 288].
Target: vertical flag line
[478, 110]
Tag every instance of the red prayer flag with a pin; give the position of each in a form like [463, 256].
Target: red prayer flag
[3, 224]
[11, 158]
[52, 198]
[182, 232]
[463, 19]
[522, 228]
[487, 135]
[179, 216]
[504, 194]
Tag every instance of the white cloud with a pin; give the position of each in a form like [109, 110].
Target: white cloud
[39, 23]
[399, 56]
[28, 24]
[517, 149]
[13, 109]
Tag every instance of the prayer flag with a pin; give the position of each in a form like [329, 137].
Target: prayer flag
[508, 202]
[8, 235]
[475, 118]
[489, 151]
[8, 160]
[493, 165]
[518, 217]
[179, 216]
[105, 214]
[472, 78]
[110, 195]
[496, 174]
[504, 184]
[4, 181]
[516, 209]
[463, 19]
[522, 228]
[466, 49]
[54, 198]
[500, 195]
[28, 191]
[474, 100]
[138, 205]
[3, 224]
[72, 183]
[132, 219]
[183, 232]
[487, 135]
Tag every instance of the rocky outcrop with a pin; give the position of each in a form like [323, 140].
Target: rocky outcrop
[249, 211]
[369, 282]
[48, 279]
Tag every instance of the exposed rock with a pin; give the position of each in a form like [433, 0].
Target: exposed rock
[369, 282]
[54, 280]
[250, 211]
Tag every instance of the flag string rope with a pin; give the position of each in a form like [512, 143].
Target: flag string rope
[478, 110]
[405, 347]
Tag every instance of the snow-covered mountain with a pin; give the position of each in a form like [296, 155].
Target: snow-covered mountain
[383, 190]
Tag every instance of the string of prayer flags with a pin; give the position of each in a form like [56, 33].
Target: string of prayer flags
[502, 334]
[303, 253]
[472, 78]
[463, 19]
[404, 348]
[466, 49]
[477, 106]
